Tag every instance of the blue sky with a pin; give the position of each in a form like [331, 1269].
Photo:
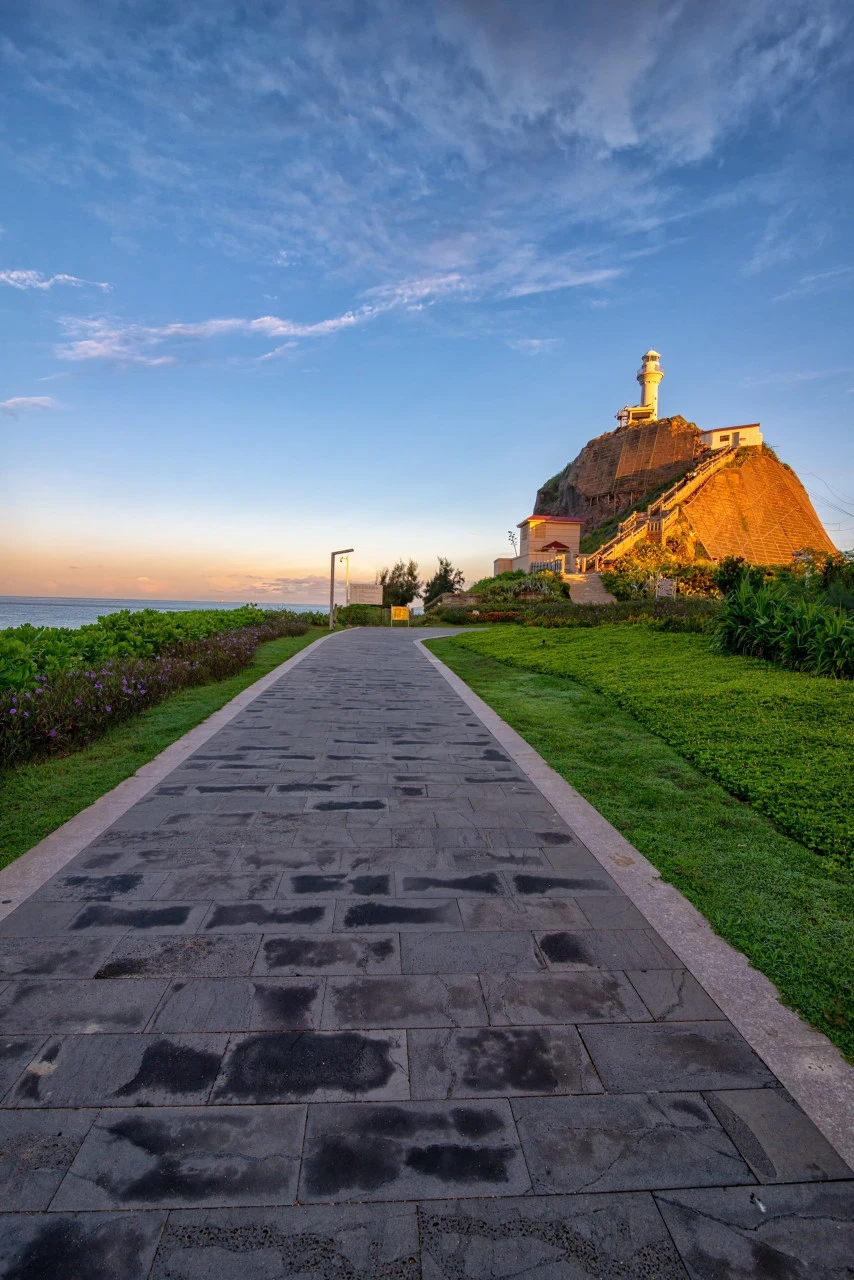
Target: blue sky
[281, 277]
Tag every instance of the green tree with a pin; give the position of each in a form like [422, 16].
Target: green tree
[400, 584]
[446, 578]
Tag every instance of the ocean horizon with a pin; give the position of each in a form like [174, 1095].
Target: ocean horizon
[76, 611]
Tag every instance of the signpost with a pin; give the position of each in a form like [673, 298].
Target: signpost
[399, 613]
[345, 551]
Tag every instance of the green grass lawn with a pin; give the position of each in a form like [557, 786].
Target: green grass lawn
[789, 909]
[35, 799]
[783, 740]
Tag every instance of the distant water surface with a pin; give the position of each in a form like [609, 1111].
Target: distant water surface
[67, 611]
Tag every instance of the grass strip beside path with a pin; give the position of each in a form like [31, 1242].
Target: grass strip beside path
[783, 740]
[37, 798]
[788, 909]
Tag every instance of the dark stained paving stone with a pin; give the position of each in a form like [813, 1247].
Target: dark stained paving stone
[582, 996]
[469, 953]
[120, 1071]
[592, 880]
[612, 1237]
[674, 995]
[414, 914]
[320, 1066]
[522, 913]
[339, 884]
[411, 1150]
[331, 954]
[240, 1004]
[51, 1005]
[267, 917]
[685, 1055]
[427, 1000]
[195, 956]
[316, 1242]
[60, 957]
[78, 1246]
[186, 1157]
[478, 884]
[36, 1151]
[498, 1062]
[632, 1143]
[123, 886]
[606, 949]
[772, 1233]
[104, 917]
[778, 1141]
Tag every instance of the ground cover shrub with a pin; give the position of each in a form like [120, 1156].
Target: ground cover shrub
[360, 615]
[788, 909]
[774, 738]
[681, 614]
[28, 652]
[74, 705]
[769, 622]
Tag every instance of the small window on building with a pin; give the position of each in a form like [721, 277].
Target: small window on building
[723, 438]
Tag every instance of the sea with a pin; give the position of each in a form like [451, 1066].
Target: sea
[69, 611]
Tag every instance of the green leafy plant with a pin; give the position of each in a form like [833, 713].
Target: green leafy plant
[446, 578]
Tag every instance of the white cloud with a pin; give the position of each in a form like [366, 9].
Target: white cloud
[22, 404]
[535, 346]
[817, 282]
[35, 280]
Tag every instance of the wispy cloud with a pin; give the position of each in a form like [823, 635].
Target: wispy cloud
[23, 404]
[20, 279]
[817, 282]
[535, 346]
[793, 376]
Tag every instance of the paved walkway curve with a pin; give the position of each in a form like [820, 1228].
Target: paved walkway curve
[345, 999]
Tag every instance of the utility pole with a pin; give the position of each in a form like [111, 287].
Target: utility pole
[345, 551]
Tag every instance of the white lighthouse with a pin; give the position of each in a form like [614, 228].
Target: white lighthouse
[649, 376]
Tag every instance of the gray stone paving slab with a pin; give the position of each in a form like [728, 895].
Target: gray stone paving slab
[52, 1005]
[180, 1156]
[606, 949]
[547, 1238]
[36, 1151]
[333, 954]
[791, 1232]
[58, 957]
[633, 1143]
[312, 920]
[313, 1242]
[498, 1062]
[585, 996]
[428, 1000]
[97, 1246]
[119, 1071]
[469, 953]
[686, 1055]
[209, 956]
[777, 1140]
[526, 914]
[411, 1150]
[673, 995]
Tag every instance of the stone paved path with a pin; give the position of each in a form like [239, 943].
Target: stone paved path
[344, 998]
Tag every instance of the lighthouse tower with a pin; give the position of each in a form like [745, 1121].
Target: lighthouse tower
[649, 376]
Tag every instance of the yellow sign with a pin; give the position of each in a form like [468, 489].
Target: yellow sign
[399, 613]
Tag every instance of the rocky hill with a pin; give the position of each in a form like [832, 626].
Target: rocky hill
[754, 506]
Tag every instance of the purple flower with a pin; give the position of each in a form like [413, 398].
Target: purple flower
[108, 708]
[13, 712]
[53, 733]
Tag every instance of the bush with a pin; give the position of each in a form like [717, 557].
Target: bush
[805, 635]
[682, 614]
[360, 615]
[72, 706]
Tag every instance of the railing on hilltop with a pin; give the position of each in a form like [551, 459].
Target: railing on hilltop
[659, 515]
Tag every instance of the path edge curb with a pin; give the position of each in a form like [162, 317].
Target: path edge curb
[35, 867]
[805, 1062]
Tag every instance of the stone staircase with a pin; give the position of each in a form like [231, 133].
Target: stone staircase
[586, 588]
[659, 516]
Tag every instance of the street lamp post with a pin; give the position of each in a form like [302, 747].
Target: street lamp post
[345, 551]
